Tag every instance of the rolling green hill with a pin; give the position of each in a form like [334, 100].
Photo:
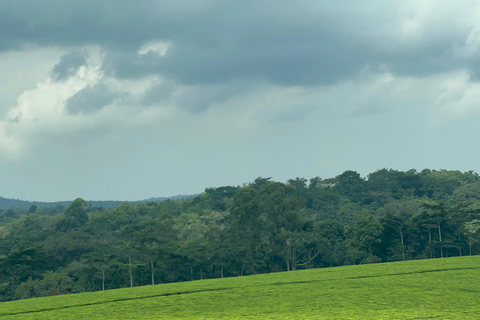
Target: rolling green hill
[423, 289]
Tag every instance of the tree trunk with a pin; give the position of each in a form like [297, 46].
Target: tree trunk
[221, 271]
[439, 231]
[403, 245]
[201, 274]
[103, 279]
[153, 273]
[440, 236]
[430, 242]
[130, 270]
[294, 257]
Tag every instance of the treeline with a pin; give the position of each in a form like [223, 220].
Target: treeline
[12, 206]
[264, 226]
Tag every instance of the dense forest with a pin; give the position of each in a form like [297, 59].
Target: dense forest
[260, 227]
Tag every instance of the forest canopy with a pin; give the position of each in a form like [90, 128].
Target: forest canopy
[260, 227]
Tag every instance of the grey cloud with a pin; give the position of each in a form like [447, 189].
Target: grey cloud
[198, 98]
[474, 68]
[245, 44]
[289, 45]
[12, 31]
[118, 24]
[69, 65]
[214, 42]
[157, 94]
[90, 99]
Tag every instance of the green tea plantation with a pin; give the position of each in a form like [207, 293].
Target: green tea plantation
[446, 288]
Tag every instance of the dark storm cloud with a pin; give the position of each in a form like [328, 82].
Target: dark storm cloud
[68, 65]
[213, 42]
[288, 45]
[90, 99]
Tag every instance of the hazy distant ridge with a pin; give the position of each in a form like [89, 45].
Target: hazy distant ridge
[6, 203]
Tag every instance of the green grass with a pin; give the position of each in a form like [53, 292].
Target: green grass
[426, 289]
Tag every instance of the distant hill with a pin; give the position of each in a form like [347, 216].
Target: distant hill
[6, 203]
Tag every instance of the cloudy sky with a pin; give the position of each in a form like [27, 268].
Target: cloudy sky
[128, 100]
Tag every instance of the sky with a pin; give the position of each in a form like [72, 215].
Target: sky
[127, 100]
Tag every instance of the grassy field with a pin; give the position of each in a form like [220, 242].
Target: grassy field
[427, 289]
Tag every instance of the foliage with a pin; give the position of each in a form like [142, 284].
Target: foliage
[262, 227]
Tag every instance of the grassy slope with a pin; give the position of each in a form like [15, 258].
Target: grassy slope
[436, 289]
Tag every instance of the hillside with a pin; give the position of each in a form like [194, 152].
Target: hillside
[436, 288]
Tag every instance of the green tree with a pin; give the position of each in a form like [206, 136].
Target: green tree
[438, 214]
[364, 235]
[101, 259]
[245, 229]
[399, 225]
[33, 208]
[332, 235]
[471, 233]
[75, 215]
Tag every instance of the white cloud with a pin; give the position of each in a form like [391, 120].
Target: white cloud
[458, 98]
[9, 144]
[411, 25]
[471, 45]
[160, 48]
[22, 70]
[40, 112]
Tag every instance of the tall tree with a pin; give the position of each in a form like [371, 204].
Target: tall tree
[399, 225]
[471, 233]
[245, 227]
[438, 212]
[75, 215]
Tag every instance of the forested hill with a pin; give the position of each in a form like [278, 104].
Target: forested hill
[263, 226]
[6, 203]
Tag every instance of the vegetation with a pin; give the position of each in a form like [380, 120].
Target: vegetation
[261, 227]
[59, 206]
[433, 289]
